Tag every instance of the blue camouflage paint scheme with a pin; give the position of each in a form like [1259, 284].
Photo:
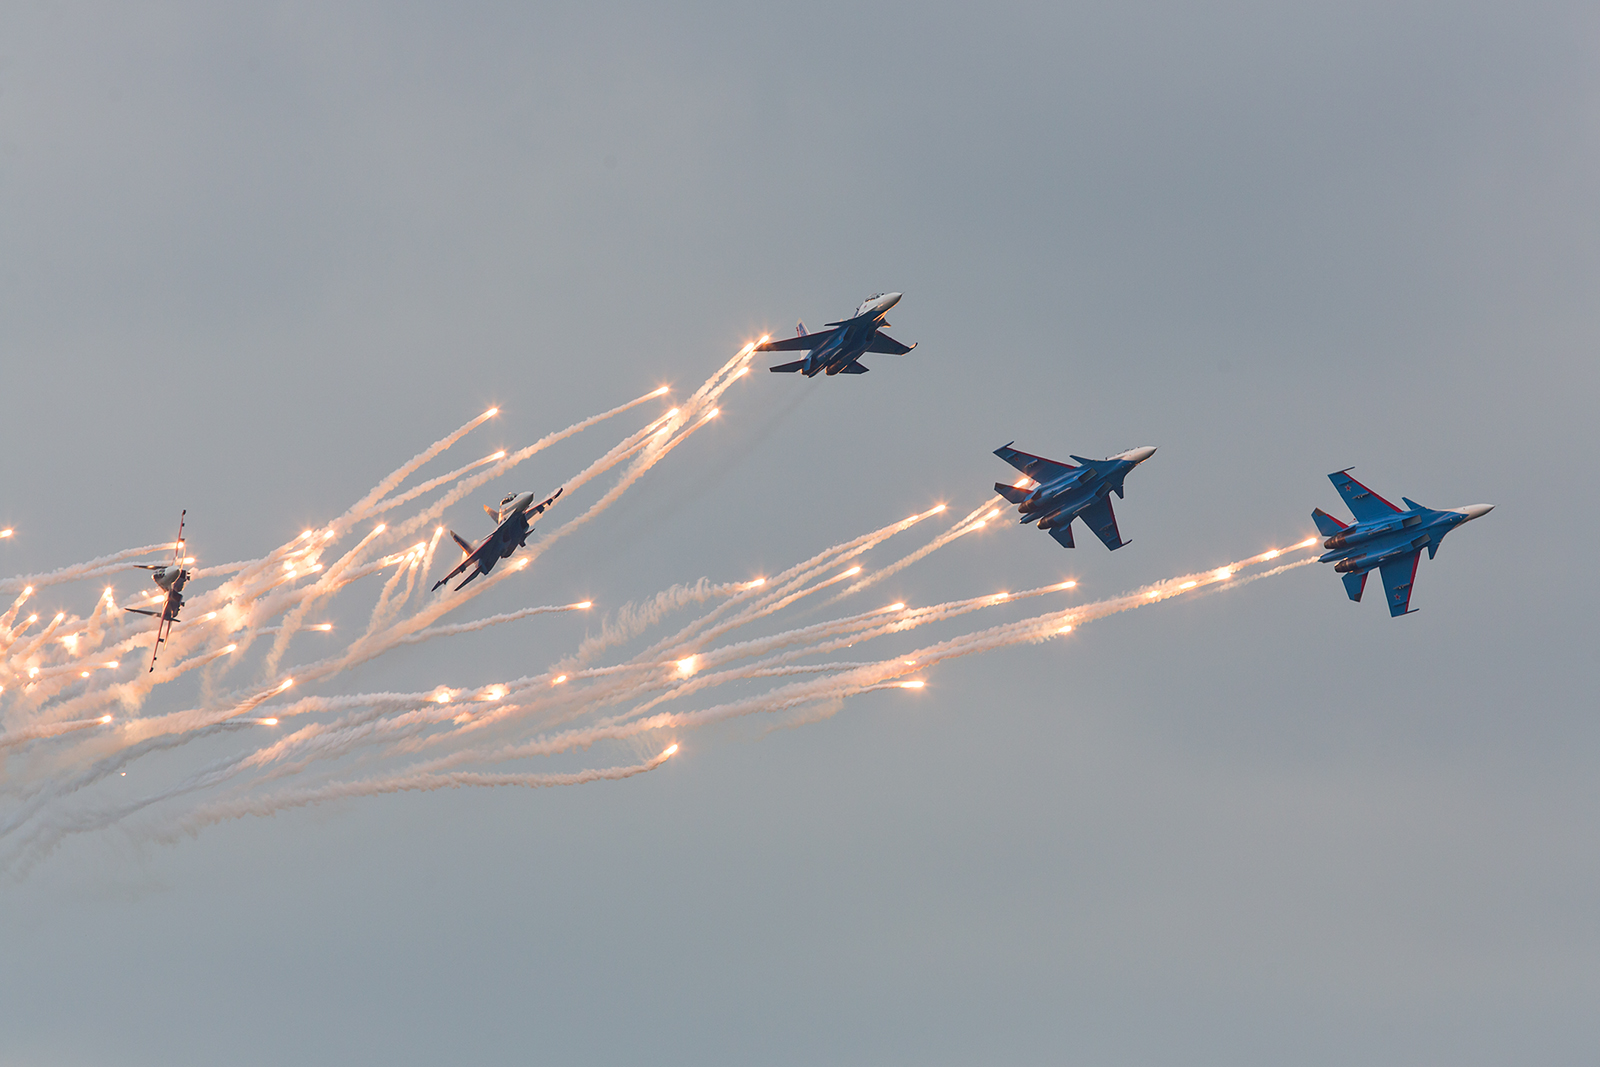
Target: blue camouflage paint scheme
[838, 347]
[1067, 491]
[1384, 538]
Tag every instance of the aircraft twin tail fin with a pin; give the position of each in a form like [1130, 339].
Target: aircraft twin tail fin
[462, 542]
[1355, 583]
[1327, 523]
[1013, 493]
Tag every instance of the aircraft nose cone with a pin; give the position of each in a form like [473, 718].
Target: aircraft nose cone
[1139, 455]
[1476, 511]
[888, 301]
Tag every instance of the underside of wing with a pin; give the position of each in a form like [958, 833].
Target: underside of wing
[1103, 521]
[470, 560]
[1364, 504]
[1398, 574]
[1036, 467]
[882, 342]
[806, 342]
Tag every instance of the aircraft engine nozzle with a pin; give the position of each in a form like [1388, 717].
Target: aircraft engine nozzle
[1348, 566]
[1336, 541]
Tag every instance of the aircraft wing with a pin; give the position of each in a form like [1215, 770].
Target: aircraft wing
[882, 342]
[1103, 521]
[472, 557]
[1398, 574]
[1364, 504]
[805, 342]
[1036, 467]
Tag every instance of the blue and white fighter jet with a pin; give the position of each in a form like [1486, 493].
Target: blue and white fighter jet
[1384, 537]
[1065, 492]
[837, 348]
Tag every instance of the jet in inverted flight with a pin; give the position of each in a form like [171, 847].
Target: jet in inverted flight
[170, 578]
[1063, 492]
[515, 518]
[837, 348]
[1384, 537]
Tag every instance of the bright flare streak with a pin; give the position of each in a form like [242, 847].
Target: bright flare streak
[1020, 482]
[662, 391]
[671, 413]
[1223, 574]
[741, 372]
[669, 750]
[686, 666]
[382, 526]
[1271, 555]
[105, 719]
[1067, 629]
[992, 514]
[314, 568]
[559, 679]
[33, 672]
[938, 509]
[491, 413]
[1188, 585]
[442, 697]
[910, 662]
[758, 583]
[1307, 543]
[1067, 585]
[188, 559]
[980, 524]
[231, 648]
[494, 692]
[521, 563]
[912, 685]
[210, 615]
[499, 455]
[287, 682]
[60, 615]
[586, 605]
[1001, 596]
[895, 607]
[305, 534]
[852, 570]
[1152, 594]
[6, 532]
[85, 674]
[713, 413]
[323, 626]
[28, 591]
[269, 722]
[289, 567]
[114, 664]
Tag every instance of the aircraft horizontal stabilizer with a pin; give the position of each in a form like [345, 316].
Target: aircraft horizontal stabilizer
[1013, 493]
[142, 611]
[1063, 535]
[788, 368]
[855, 368]
[1326, 523]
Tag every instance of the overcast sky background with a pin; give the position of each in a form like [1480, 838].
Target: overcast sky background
[256, 256]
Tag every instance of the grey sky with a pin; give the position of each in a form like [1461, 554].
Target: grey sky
[1265, 826]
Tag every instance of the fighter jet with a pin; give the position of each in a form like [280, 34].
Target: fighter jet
[1384, 537]
[1064, 492]
[515, 519]
[838, 347]
[170, 579]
